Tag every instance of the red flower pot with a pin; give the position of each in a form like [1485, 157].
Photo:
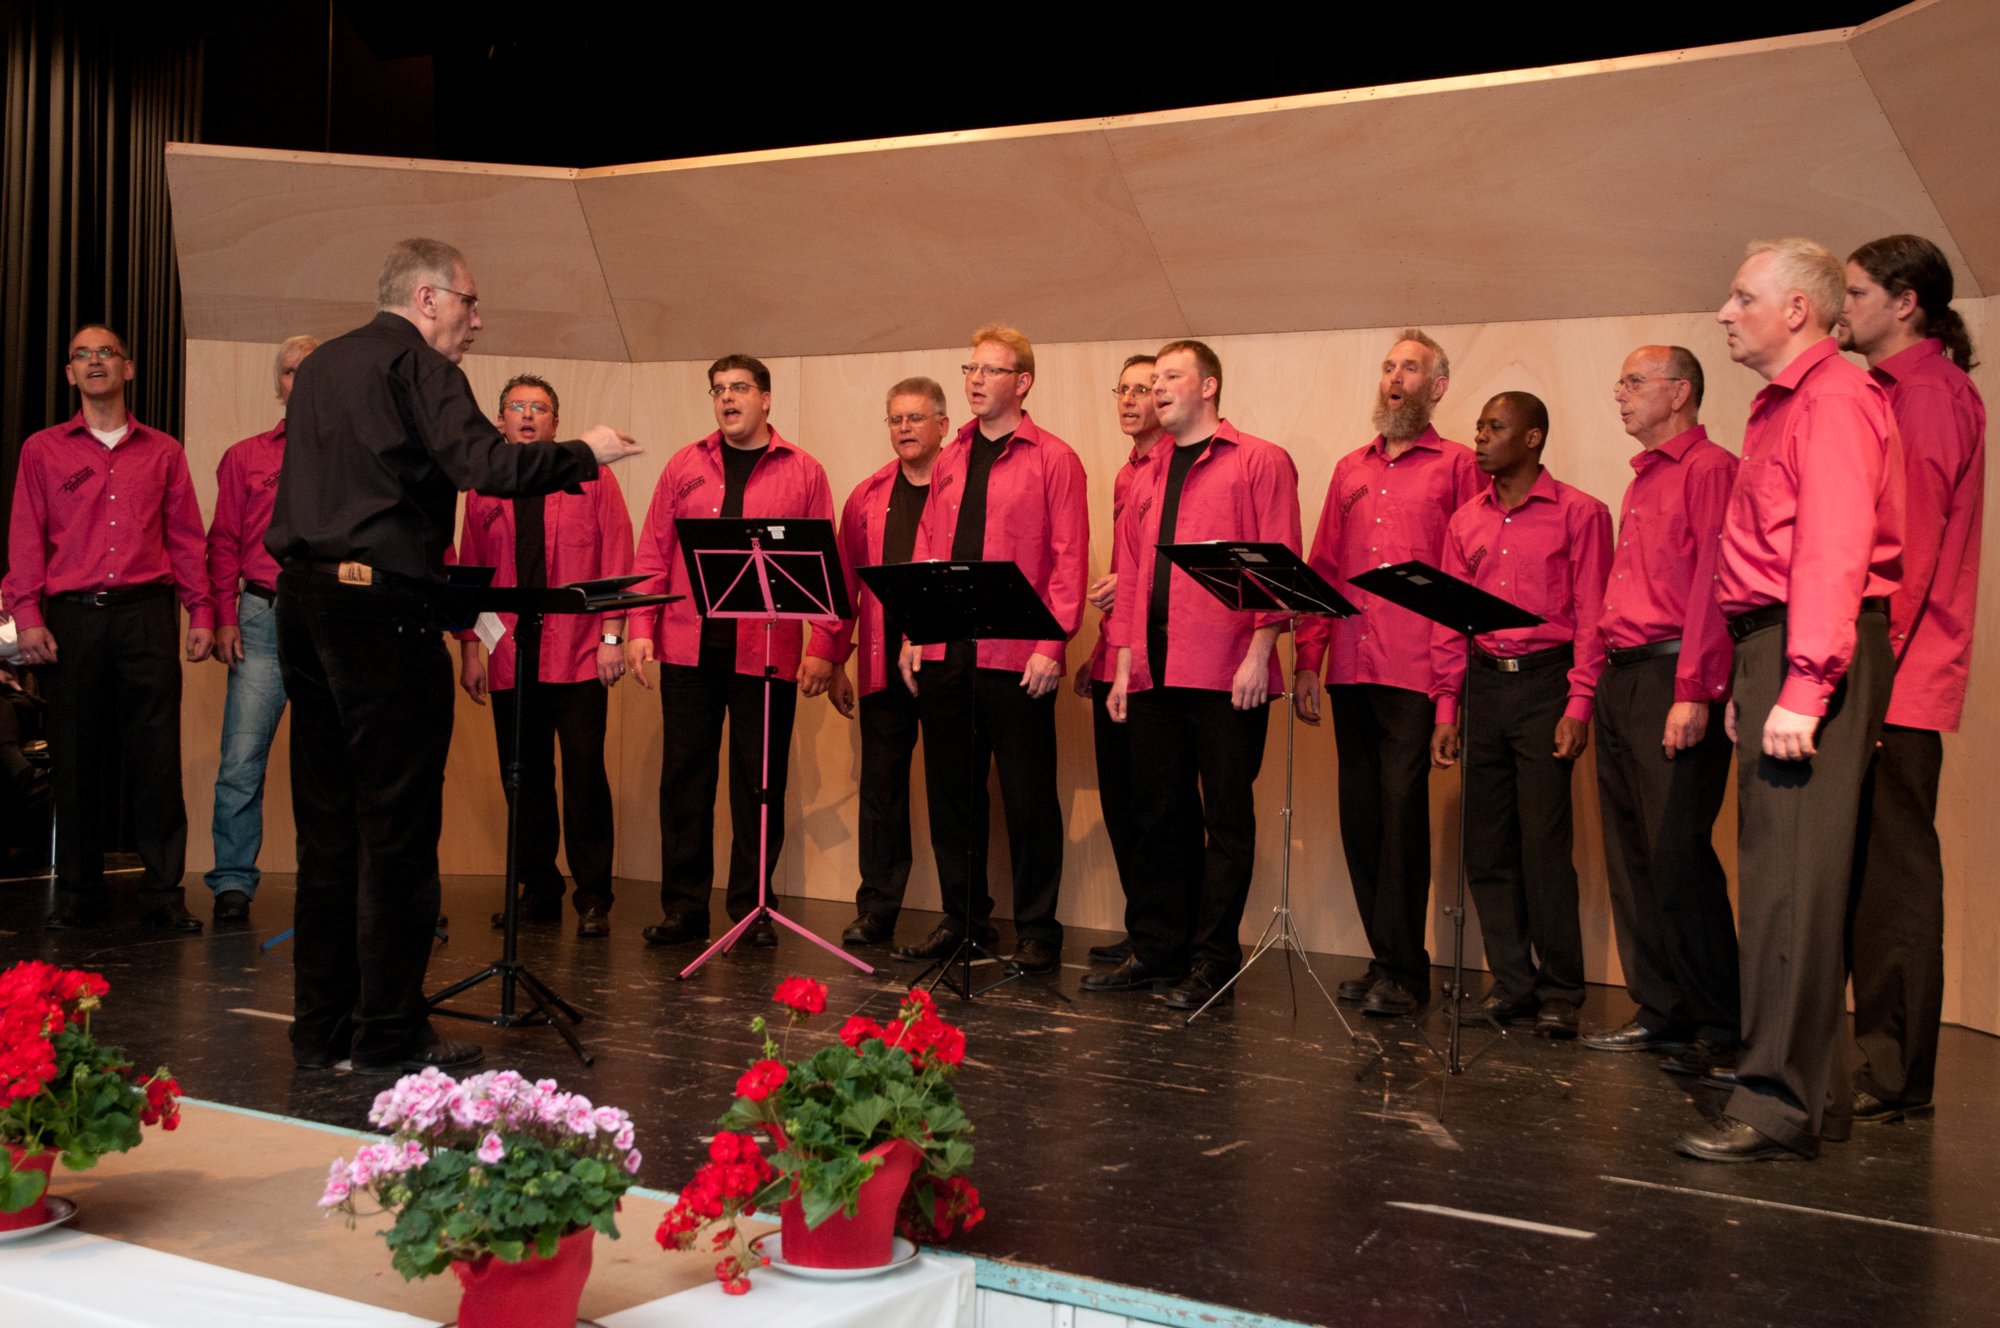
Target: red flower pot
[866, 1240]
[37, 1212]
[534, 1293]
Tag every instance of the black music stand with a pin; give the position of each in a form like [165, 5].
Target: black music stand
[774, 569]
[1251, 577]
[1466, 609]
[936, 602]
[531, 606]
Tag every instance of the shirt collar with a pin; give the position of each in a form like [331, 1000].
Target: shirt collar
[1542, 490]
[714, 442]
[1428, 439]
[1024, 432]
[1905, 360]
[1676, 448]
[1804, 363]
[133, 429]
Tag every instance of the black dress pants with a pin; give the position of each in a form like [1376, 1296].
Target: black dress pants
[1113, 743]
[889, 727]
[117, 687]
[1795, 867]
[1518, 832]
[973, 717]
[1669, 895]
[694, 700]
[1196, 820]
[370, 683]
[574, 714]
[1382, 739]
[1895, 930]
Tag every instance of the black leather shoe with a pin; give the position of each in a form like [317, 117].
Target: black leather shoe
[1872, 1110]
[677, 931]
[1389, 999]
[1203, 983]
[1722, 1078]
[760, 935]
[1115, 953]
[868, 929]
[1634, 1036]
[443, 1052]
[942, 942]
[1498, 1009]
[314, 1058]
[593, 923]
[1697, 1058]
[1727, 1140]
[1556, 1019]
[1131, 975]
[1035, 955]
[1354, 989]
[232, 906]
[69, 915]
[172, 917]
[531, 913]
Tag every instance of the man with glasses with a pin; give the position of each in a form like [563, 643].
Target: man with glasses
[1662, 757]
[1004, 490]
[243, 579]
[105, 533]
[552, 540]
[879, 525]
[715, 667]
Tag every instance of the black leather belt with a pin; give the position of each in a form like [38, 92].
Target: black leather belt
[1534, 659]
[104, 599]
[264, 593]
[1770, 615]
[1640, 654]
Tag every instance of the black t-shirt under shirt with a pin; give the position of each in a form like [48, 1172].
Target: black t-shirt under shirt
[1178, 466]
[899, 537]
[718, 635]
[968, 542]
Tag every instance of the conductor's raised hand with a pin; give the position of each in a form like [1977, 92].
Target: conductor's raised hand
[608, 444]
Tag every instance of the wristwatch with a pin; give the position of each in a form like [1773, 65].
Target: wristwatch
[611, 639]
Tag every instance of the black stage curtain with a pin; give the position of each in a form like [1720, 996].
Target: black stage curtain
[93, 93]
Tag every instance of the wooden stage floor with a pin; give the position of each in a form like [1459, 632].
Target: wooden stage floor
[1256, 1161]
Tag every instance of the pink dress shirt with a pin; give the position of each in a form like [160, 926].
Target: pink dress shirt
[1103, 664]
[1036, 517]
[89, 517]
[1379, 512]
[1943, 425]
[862, 519]
[585, 536]
[785, 482]
[1816, 518]
[246, 486]
[1662, 583]
[1242, 488]
[1549, 556]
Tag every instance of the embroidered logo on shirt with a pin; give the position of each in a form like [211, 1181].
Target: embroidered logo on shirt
[270, 480]
[1477, 557]
[489, 516]
[76, 481]
[1145, 506]
[688, 487]
[945, 482]
[1347, 503]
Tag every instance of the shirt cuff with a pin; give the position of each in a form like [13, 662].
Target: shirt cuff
[1578, 709]
[1447, 709]
[201, 618]
[1802, 696]
[1691, 689]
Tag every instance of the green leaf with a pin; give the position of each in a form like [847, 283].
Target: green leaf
[18, 1189]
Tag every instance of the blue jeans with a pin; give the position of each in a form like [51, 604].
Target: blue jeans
[249, 719]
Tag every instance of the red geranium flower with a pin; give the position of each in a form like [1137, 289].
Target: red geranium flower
[803, 995]
[761, 1080]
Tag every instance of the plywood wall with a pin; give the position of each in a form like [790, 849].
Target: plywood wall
[1310, 392]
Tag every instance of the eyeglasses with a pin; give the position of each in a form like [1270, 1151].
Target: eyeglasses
[1633, 382]
[471, 301]
[85, 354]
[1138, 391]
[983, 371]
[898, 421]
[731, 390]
[529, 408]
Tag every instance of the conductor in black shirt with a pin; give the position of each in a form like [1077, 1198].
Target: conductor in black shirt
[383, 433]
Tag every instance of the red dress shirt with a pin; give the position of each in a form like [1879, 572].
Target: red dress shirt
[1103, 664]
[862, 521]
[786, 481]
[1816, 518]
[1378, 512]
[89, 517]
[246, 487]
[1663, 571]
[1943, 426]
[585, 536]
[1242, 488]
[1550, 556]
[1036, 517]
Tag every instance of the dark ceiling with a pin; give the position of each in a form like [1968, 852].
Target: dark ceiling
[543, 84]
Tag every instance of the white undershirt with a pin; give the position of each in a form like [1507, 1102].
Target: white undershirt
[111, 437]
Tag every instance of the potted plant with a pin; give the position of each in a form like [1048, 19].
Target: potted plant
[63, 1094]
[503, 1180]
[868, 1135]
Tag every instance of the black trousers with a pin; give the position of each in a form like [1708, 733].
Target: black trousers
[973, 717]
[117, 688]
[370, 684]
[1382, 738]
[1795, 865]
[889, 729]
[1895, 929]
[1113, 743]
[694, 700]
[574, 714]
[1196, 820]
[1669, 895]
[1518, 832]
